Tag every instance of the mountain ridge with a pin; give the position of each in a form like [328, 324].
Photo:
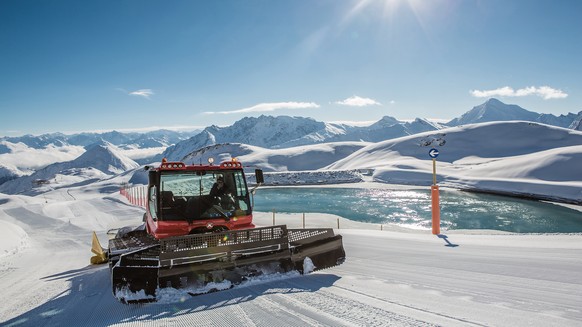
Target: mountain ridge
[272, 132]
[100, 161]
[161, 137]
[278, 132]
[495, 110]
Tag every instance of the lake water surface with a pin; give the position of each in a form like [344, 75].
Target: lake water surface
[412, 208]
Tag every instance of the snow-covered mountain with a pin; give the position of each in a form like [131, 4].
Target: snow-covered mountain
[577, 123]
[7, 174]
[388, 128]
[485, 140]
[263, 131]
[100, 161]
[27, 154]
[286, 132]
[495, 110]
[539, 160]
[565, 121]
[306, 157]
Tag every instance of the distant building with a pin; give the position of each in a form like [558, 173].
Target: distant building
[39, 182]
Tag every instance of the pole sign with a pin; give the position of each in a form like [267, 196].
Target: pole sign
[436, 211]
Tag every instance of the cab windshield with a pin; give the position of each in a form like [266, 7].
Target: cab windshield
[203, 194]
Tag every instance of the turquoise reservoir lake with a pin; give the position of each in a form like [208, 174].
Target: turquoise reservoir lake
[412, 208]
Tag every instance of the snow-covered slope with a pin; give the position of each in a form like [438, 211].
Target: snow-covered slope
[521, 158]
[390, 278]
[13, 239]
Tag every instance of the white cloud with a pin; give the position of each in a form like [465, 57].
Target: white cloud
[356, 101]
[266, 107]
[502, 91]
[549, 93]
[146, 93]
[544, 92]
[26, 159]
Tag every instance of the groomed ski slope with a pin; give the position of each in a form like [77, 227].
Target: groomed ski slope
[391, 278]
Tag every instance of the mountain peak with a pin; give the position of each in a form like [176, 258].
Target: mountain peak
[494, 110]
[100, 143]
[385, 121]
[105, 157]
[493, 101]
[264, 131]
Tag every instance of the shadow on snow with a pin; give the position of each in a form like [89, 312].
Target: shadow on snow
[89, 300]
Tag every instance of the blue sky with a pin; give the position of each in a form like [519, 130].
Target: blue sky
[69, 66]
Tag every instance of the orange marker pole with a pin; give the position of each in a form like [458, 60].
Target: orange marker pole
[433, 171]
[436, 211]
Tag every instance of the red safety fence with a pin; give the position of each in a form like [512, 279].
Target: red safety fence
[136, 195]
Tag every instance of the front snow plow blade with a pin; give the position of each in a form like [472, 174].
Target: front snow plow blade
[100, 254]
[194, 261]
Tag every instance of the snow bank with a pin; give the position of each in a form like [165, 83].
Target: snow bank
[13, 239]
[309, 177]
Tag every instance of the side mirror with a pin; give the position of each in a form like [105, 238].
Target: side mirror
[259, 176]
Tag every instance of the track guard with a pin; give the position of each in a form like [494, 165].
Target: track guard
[134, 277]
[194, 261]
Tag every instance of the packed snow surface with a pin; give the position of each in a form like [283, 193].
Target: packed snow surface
[392, 277]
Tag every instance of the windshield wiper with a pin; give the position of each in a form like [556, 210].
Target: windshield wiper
[218, 209]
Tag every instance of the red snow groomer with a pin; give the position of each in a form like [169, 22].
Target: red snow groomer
[198, 228]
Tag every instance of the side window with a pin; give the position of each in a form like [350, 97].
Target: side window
[241, 191]
[240, 184]
[153, 202]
